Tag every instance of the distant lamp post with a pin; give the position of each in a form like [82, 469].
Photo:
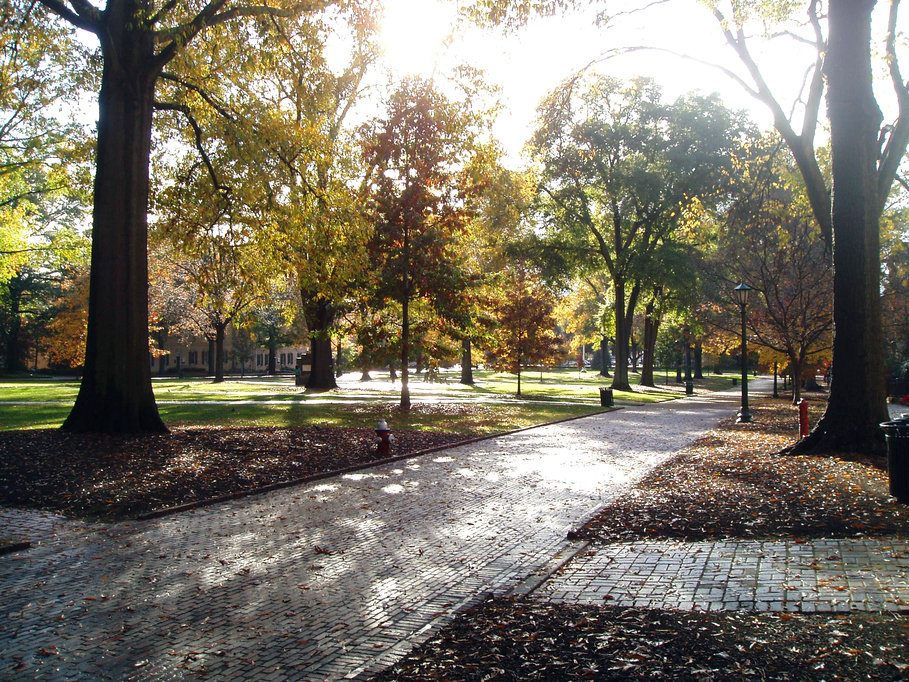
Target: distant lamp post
[741, 297]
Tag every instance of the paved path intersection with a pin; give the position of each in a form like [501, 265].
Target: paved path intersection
[337, 578]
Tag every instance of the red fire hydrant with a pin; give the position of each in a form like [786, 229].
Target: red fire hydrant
[803, 418]
[384, 434]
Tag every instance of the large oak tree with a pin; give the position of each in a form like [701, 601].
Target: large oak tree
[137, 39]
[866, 154]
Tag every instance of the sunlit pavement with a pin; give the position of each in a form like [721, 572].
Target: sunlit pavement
[329, 580]
[339, 578]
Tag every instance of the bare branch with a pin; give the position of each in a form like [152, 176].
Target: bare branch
[892, 154]
[801, 145]
[603, 18]
[85, 17]
[617, 52]
[211, 15]
[816, 88]
[167, 7]
[202, 93]
[223, 190]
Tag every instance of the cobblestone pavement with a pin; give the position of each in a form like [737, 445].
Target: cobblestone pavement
[825, 575]
[328, 580]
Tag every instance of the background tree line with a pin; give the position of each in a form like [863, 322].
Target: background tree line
[268, 184]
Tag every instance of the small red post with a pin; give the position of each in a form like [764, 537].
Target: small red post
[803, 418]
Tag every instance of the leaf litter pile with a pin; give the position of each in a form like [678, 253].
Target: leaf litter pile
[732, 483]
[113, 477]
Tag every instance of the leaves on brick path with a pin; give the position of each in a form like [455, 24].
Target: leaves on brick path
[731, 483]
[504, 639]
[105, 476]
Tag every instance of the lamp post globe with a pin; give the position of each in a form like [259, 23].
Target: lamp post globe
[741, 293]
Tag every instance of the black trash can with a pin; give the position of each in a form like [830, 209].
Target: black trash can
[689, 388]
[606, 397]
[897, 434]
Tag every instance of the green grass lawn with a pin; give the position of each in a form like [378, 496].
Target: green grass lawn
[487, 407]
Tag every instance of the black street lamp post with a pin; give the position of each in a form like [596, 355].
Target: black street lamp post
[741, 297]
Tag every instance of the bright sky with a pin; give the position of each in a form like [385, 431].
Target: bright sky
[533, 61]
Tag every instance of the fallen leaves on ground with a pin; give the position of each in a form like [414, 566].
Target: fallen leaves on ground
[108, 476]
[734, 483]
[504, 639]
[731, 483]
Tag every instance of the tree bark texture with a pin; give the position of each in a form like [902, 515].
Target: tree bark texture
[624, 316]
[116, 395]
[319, 319]
[219, 352]
[857, 393]
[13, 331]
[405, 352]
[622, 333]
[466, 363]
[651, 327]
[272, 353]
[604, 351]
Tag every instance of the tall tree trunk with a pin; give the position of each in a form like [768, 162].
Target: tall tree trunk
[115, 395]
[607, 360]
[13, 349]
[622, 332]
[651, 327]
[466, 362]
[219, 351]
[698, 360]
[857, 400]
[796, 367]
[319, 319]
[272, 353]
[405, 351]
[161, 340]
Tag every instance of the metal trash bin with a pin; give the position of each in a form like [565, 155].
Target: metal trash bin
[897, 434]
[606, 397]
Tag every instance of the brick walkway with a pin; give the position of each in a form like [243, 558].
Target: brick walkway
[324, 581]
[339, 578]
[818, 576]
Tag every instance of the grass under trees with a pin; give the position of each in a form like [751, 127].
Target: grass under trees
[29, 403]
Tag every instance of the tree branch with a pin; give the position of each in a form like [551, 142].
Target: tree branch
[211, 15]
[802, 146]
[895, 149]
[618, 52]
[223, 190]
[85, 16]
[206, 97]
